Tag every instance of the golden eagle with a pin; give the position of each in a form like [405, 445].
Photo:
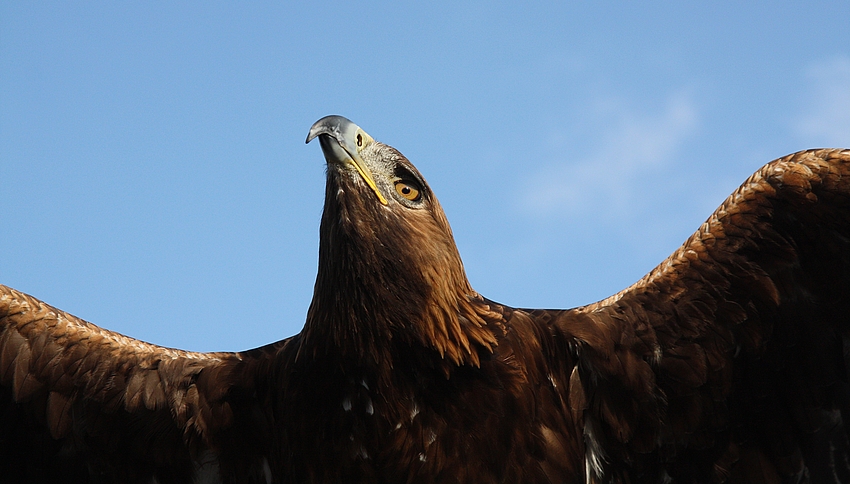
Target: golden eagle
[727, 363]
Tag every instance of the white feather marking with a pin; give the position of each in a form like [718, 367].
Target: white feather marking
[369, 408]
[552, 381]
[431, 437]
[414, 411]
[364, 384]
[594, 456]
[267, 471]
[422, 457]
[346, 404]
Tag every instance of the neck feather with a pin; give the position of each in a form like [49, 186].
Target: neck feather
[390, 282]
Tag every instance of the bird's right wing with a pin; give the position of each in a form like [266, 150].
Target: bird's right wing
[78, 400]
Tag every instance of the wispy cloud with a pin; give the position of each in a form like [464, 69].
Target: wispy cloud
[631, 143]
[825, 119]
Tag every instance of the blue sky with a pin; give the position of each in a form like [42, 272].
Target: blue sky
[155, 179]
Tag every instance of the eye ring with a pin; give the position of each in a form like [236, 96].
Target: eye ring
[408, 190]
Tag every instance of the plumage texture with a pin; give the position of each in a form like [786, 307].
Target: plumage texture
[726, 363]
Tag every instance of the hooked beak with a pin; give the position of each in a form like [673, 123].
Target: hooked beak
[341, 142]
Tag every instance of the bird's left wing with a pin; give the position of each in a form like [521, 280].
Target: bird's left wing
[728, 360]
[79, 401]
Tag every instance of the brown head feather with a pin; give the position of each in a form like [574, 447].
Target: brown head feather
[390, 274]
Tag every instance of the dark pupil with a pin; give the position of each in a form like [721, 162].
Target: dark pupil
[405, 190]
[359, 140]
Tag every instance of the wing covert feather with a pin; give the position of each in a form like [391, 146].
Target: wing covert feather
[732, 349]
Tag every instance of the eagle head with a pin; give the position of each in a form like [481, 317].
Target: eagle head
[389, 271]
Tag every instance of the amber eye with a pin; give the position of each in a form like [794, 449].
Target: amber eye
[407, 190]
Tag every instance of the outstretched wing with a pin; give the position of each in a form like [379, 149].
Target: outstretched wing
[78, 401]
[728, 359]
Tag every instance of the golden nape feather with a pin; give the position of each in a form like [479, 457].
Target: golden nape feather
[724, 364]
